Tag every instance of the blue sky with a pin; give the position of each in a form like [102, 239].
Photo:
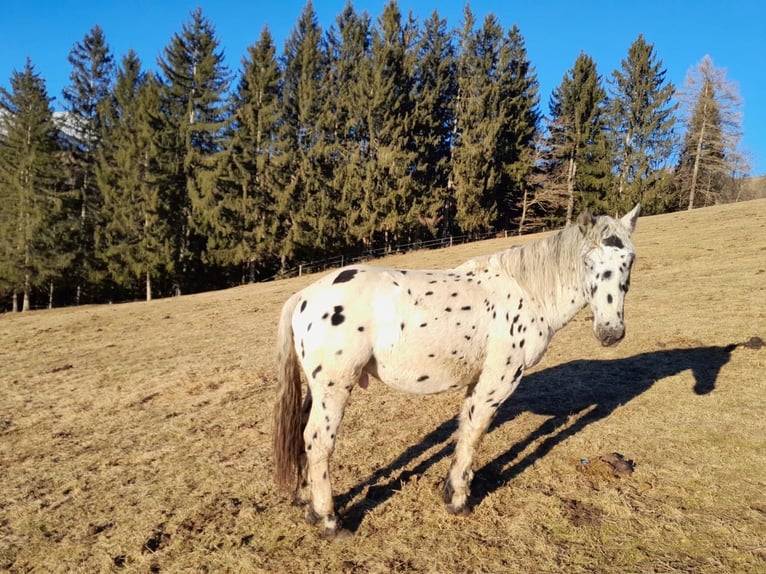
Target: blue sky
[555, 32]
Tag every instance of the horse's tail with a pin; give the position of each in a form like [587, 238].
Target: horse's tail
[288, 434]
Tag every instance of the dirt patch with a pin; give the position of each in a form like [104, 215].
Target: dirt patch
[96, 529]
[605, 468]
[753, 343]
[158, 540]
[581, 513]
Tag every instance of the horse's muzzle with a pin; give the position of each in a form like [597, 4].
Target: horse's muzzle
[610, 335]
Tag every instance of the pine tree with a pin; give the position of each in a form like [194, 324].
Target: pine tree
[388, 180]
[33, 235]
[478, 123]
[518, 104]
[710, 159]
[577, 137]
[194, 102]
[135, 241]
[434, 94]
[344, 116]
[304, 205]
[91, 78]
[640, 121]
[250, 203]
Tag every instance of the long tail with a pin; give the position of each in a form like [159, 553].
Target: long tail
[288, 434]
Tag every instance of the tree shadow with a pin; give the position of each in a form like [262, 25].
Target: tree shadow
[592, 389]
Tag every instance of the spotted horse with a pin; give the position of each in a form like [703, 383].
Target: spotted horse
[477, 326]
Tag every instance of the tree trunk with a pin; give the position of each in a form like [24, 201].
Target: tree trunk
[571, 173]
[698, 154]
[623, 172]
[148, 286]
[27, 293]
[695, 171]
[15, 302]
[523, 217]
[27, 282]
[50, 295]
[251, 271]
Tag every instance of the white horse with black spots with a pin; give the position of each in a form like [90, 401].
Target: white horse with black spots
[477, 326]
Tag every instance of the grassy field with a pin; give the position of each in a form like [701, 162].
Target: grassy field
[136, 437]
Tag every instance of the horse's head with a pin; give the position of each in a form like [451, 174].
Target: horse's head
[607, 260]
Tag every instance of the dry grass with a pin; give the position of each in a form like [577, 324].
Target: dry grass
[136, 437]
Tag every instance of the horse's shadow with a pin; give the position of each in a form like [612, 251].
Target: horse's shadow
[592, 389]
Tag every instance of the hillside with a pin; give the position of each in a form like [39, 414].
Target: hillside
[136, 437]
[755, 188]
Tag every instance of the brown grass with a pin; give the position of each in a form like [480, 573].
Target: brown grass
[136, 437]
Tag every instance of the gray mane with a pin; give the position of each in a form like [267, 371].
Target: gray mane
[550, 266]
[546, 267]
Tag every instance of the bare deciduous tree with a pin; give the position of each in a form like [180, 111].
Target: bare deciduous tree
[711, 166]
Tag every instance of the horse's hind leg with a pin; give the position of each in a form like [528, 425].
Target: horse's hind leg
[479, 407]
[329, 403]
[302, 494]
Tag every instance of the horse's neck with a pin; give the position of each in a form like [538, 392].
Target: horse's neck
[550, 270]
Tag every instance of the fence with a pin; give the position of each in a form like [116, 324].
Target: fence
[342, 260]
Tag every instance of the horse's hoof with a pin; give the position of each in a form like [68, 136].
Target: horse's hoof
[337, 534]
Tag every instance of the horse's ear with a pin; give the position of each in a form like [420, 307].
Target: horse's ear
[629, 219]
[585, 221]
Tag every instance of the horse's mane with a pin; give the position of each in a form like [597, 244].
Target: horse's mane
[545, 267]
[548, 266]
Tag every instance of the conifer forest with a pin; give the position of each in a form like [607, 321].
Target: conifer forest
[183, 175]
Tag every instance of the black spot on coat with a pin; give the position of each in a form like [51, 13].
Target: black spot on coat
[345, 276]
[337, 317]
[614, 241]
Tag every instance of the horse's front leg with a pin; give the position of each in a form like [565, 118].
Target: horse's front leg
[480, 405]
[329, 402]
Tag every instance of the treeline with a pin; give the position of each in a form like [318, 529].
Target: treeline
[360, 137]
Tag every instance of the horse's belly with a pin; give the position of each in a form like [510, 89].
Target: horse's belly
[427, 376]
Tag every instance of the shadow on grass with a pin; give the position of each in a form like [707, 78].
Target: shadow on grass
[591, 388]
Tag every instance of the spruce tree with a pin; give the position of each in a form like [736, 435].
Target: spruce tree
[33, 236]
[433, 111]
[518, 113]
[388, 184]
[135, 242]
[475, 172]
[577, 140]
[640, 120]
[90, 85]
[304, 206]
[344, 116]
[196, 113]
[250, 206]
